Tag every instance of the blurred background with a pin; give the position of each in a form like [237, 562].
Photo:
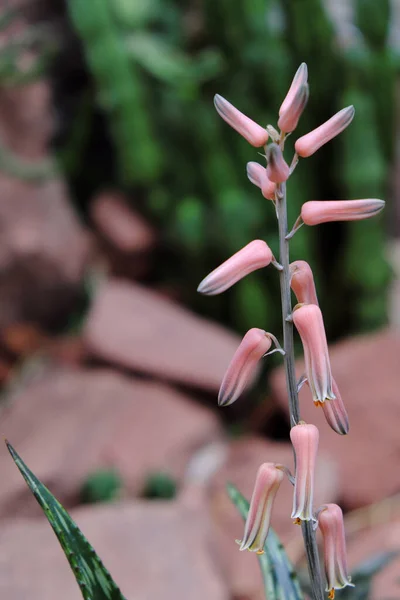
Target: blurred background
[120, 189]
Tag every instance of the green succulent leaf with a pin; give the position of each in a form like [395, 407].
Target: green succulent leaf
[94, 580]
[280, 578]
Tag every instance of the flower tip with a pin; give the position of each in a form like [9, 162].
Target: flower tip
[252, 132]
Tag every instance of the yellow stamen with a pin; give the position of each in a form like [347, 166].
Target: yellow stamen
[318, 403]
[259, 552]
[331, 594]
[297, 521]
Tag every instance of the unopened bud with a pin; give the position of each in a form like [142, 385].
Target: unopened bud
[305, 438]
[257, 174]
[323, 211]
[302, 282]
[311, 142]
[255, 255]
[290, 117]
[255, 134]
[277, 169]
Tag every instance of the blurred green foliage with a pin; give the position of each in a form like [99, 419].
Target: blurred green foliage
[155, 67]
[159, 486]
[103, 485]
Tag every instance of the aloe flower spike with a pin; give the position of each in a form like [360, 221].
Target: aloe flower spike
[268, 480]
[305, 440]
[311, 142]
[252, 132]
[310, 325]
[330, 521]
[317, 211]
[255, 255]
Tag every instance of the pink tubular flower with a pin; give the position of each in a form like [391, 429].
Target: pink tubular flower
[323, 211]
[310, 325]
[299, 80]
[335, 412]
[242, 367]
[330, 521]
[269, 478]
[254, 256]
[257, 174]
[277, 169]
[311, 142]
[305, 440]
[255, 134]
[302, 282]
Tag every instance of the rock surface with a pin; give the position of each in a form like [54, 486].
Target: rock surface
[152, 550]
[121, 226]
[245, 456]
[68, 423]
[133, 327]
[366, 369]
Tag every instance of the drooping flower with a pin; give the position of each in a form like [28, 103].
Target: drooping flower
[277, 168]
[268, 480]
[323, 211]
[302, 282]
[255, 255]
[330, 521]
[310, 325]
[243, 365]
[335, 412]
[255, 134]
[295, 101]
[257, 174]
[305, 438]
[311, 142]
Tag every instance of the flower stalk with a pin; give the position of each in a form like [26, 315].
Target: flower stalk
[308, 532]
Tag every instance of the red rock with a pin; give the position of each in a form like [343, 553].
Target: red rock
[364, 545]
[131, 326]
[152, 550]
[67, 424]
[43, 252]
[245, 456]
[367, 372]
[120, 225]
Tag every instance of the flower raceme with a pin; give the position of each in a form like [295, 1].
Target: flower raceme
[257, 174]
[310, 325]
[323, 211]
[295, 101]
[255, 255]
[305, 438]
[243, 365]
[302, 282]
[311, 142]
[268, 480]
[330, 522]
[252, 132]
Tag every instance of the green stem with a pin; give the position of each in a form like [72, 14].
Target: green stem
[291, 382]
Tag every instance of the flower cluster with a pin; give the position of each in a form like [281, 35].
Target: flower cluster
[306, 317]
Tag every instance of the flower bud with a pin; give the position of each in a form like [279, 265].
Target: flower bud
[243, 365]
[310, 325]
[311, 142]
[277, 169]
[269, 478]
[255, 134]
[299, 80]
[255, 255]
[335, 412]
[302, 282]
[323, 211]
[258, 176]
[330, 521]
[305, 440]
[290, 117]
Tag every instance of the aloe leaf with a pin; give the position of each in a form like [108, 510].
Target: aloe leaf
[280, 578]
[94, 580]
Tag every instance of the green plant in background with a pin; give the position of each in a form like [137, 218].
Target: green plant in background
[154, 66]
[103, 485]
[159, 486]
